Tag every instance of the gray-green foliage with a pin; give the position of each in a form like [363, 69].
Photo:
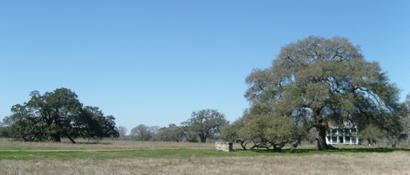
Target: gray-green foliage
[205, 123]
[317, 80]
[58, 114]
[262, 128]
[171, 133]
[371, 133]
[142, 133]
[269, 130]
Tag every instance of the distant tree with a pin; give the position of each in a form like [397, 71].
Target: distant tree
[189, 135]
[122, 131]
[205, 123]
[58, 114]
[154, 130]
[4, 130]
[317, 80]
[171, 133]
[141, 133]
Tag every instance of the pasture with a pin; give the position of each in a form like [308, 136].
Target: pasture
[131, 157]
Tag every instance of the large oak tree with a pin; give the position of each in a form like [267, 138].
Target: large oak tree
[318, 80]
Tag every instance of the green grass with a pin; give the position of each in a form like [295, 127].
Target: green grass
[116, 149]
[107, 154]
[171, 153]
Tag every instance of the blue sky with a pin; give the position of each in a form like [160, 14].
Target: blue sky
[155, 62]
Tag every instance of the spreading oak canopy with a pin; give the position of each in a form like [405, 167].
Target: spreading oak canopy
[56, 115]
[318, 81]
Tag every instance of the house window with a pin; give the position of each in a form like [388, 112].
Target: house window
[334, 139]
[347, 139]
[334, 131]
[340, 139]
[346, 131]
[354, 130]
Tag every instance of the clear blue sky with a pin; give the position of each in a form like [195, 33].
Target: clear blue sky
[155, 62]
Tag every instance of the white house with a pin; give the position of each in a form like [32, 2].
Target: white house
[347, 135]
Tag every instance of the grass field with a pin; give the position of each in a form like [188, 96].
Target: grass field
[129, 157]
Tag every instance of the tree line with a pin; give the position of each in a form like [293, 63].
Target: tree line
[59, 114]
[311, 84]
[202, 125]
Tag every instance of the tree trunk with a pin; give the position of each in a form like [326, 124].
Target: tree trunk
[71, 139]
[243, 145]
[25, 139]
[253, 147]
[56, 138]
[320, 126]
[277, 147]
[296, 143]
[320, 134]
[394, 144]
[203, 138]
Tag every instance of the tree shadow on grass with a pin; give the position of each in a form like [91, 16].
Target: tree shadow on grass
[90, 142]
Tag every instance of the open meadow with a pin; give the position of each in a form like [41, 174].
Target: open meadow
[211, 87]
[130, 157]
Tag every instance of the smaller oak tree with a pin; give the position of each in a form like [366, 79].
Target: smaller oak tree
[205, 123]
[261, 128]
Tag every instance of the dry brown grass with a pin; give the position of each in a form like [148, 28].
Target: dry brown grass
[393, 162]
[372, 163]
